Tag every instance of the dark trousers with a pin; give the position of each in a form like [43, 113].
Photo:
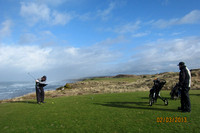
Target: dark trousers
[40, 94]
[185, 99]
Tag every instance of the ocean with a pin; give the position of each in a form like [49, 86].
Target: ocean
[14, 89]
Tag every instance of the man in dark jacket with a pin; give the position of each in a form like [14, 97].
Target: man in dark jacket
[185, 84]
[40, 83]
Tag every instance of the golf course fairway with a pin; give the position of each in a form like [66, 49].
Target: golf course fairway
[103, 113]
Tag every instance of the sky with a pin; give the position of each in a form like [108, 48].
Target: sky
[68, 39]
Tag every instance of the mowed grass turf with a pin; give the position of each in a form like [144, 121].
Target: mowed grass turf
[109, 113]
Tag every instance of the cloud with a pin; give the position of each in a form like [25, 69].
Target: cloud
[5, 28]
[106, 12]
[52, 2]
[141, 34]
[27, 38]
[86, 16]
[191, 18]
[35, 13]
[102, 14]
[24, 57]
[163, 56]
[111, 41]
[59, 18]
[57, 61]
[99, 59]
[127, 28]
[42, 38]
[176, 33]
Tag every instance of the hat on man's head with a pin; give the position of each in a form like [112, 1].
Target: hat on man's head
[44, 76]
[181, 64]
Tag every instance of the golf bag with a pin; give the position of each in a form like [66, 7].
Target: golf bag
[155, 92]
[175, 92]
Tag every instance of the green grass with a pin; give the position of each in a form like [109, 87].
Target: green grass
[109, 113]
[110, 79]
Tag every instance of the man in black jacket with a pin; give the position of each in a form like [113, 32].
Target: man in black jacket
[185, 84]
[40, 83]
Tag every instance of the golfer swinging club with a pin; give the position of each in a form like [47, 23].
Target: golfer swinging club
[39, 84]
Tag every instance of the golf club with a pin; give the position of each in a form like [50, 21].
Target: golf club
[31, 76]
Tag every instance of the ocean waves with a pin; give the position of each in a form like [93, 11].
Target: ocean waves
[14, 89]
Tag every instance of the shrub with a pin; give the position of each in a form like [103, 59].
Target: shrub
[60, 88]
[67, 86]
[144, 76]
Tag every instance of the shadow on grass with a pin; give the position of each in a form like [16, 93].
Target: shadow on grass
[194, 94]
[144, 97]
[135, 105]
[168, 98]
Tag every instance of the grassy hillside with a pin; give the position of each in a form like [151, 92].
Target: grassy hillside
[124, 83]
[109, 113]
[116, 84]
[145, 81]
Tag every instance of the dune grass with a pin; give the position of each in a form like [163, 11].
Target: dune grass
[111, 79]
[109, 113]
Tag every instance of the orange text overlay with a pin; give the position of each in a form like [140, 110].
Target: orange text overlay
[171, 119]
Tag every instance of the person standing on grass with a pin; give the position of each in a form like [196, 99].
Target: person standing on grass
[39, 84]
[185, 84]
